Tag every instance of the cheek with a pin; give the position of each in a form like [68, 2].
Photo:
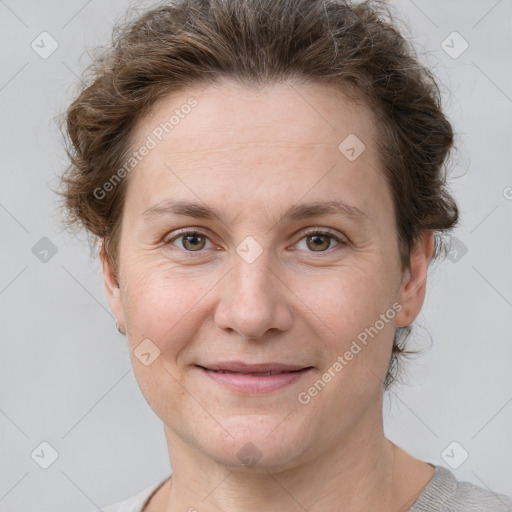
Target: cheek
[355, 311]
[347, 299]
[161, 313]
[160, 303]
[358, 310]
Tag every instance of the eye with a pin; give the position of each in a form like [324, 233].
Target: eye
[320, 241]
[315, 240]
[192, 241]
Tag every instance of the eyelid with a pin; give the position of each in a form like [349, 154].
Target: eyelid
[314, 230]
[186, 231]
[340, 239]
[325, 231]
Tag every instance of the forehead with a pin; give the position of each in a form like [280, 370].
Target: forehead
[256, 114]
[266, 144]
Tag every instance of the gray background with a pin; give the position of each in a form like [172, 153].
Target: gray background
[65, 374]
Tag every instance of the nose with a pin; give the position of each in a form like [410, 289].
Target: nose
[254, 299]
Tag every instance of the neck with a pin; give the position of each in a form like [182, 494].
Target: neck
[363, 472]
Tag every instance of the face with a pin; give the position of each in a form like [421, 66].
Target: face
[263, 284]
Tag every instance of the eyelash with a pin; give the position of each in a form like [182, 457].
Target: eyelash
[341, 241]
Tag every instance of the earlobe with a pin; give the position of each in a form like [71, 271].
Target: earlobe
[414, 284]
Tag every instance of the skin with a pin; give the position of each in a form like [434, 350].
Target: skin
[252, 154]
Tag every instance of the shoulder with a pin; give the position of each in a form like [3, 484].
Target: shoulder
[444, 493]
[137, 502]
[471, 497]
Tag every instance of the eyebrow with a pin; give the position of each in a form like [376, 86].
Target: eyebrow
[295, 213]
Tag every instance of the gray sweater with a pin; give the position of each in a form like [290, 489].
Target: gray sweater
[444, 493]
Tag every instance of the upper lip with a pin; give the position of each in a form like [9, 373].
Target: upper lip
[242, 367]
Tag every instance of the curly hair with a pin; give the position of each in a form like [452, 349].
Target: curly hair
[356, 46]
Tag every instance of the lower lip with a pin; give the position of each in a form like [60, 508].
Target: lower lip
[247, 383]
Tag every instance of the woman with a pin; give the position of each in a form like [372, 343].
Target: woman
[266, 180]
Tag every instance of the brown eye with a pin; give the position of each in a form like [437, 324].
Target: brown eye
[318, 242]
[194, 242]
[191, 241]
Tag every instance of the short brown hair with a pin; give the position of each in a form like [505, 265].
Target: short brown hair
[256, 42]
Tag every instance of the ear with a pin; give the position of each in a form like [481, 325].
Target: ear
[111, 286]
[414, 283]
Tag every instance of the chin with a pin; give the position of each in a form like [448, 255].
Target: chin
[259, 444]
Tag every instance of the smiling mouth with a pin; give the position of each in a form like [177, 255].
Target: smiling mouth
[256, 374]
[254, 380]
[246, 368]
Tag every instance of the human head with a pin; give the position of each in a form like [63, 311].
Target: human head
[259, 43]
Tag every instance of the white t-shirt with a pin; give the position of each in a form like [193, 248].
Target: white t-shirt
[444, 493]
